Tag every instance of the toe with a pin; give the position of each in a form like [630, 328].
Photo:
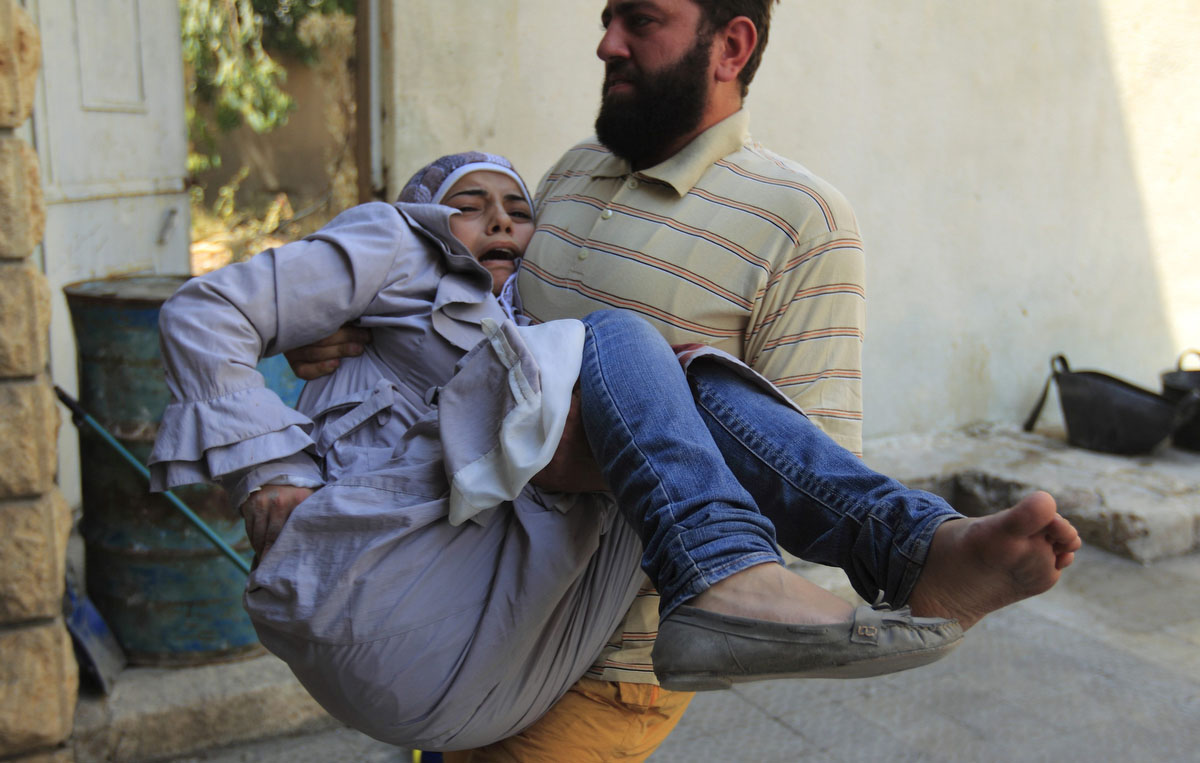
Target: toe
[1036, 513]
[1063, 534]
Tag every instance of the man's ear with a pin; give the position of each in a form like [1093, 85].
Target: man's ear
[732, 47]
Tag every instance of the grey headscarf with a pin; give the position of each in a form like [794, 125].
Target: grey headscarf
[430, 183]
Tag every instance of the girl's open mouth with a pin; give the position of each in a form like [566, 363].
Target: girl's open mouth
[500, 253]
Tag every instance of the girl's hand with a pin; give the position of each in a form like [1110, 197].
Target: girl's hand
[266, 511]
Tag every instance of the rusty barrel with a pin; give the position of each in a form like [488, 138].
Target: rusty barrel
[170, 597]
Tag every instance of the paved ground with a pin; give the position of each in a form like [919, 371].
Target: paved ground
[1105, 667]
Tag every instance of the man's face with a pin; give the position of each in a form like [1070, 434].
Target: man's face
[657, 74]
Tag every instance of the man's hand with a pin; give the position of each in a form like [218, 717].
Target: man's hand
[573, 468]
[318, 359]
[266, 511]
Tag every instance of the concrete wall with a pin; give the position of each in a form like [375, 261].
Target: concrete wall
[1025, 173]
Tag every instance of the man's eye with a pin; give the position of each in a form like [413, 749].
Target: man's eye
[637, 22]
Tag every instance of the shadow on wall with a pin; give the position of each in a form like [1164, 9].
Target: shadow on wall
[985, 150]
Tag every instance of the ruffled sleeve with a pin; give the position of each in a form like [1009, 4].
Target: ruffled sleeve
[205, 440]
[222, 421]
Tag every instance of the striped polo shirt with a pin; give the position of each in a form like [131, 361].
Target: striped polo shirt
[726, 244]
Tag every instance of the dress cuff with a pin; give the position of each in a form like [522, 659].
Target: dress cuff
[298, 470]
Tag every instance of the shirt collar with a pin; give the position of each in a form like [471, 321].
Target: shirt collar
[683, 170]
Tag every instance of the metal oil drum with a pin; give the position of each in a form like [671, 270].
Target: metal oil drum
[169, 596]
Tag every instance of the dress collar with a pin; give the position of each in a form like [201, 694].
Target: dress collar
[433, 220]
[464, 293]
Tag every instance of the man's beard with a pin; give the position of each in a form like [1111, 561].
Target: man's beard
[665, 105]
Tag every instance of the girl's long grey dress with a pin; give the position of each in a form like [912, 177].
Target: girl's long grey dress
[412, 628]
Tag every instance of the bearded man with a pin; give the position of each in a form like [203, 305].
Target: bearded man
[673, 212]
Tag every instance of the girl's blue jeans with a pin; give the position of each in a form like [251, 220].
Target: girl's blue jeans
[713, 471]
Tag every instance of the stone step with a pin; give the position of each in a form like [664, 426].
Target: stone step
[1144, 508]
[155, 714]
[328, 746]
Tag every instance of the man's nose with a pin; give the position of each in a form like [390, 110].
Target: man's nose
[612, 45]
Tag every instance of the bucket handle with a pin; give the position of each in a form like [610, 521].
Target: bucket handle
[1186, 353]
[1058, 365]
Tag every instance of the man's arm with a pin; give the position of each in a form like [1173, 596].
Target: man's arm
[321, 358]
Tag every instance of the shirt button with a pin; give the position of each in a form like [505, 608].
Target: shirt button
[583, 253]
[633, 183]
[606, 214]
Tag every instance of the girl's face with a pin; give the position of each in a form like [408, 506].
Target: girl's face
[495, 223]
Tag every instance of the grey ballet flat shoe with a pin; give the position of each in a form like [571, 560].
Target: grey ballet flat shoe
[697, 650]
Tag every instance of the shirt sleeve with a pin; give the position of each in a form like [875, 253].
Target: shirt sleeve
[808, 331]
[222, 420]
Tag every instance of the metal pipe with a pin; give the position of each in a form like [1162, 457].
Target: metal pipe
[78, 415]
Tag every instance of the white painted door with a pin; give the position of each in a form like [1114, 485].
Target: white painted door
[111, 138]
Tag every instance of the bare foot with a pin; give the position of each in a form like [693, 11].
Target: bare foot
[772, 592]
[978, 565]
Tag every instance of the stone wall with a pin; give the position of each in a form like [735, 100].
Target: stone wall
[38, 672]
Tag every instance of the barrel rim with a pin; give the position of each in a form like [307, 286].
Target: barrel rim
[78, 291]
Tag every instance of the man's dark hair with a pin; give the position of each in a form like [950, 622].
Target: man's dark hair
[717, 13]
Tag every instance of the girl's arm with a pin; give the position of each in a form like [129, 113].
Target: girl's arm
[222, 422]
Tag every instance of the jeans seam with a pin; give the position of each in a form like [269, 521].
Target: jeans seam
[730, 420]
[913, 568]
[746, 436]
[814, 489]
[914, 541]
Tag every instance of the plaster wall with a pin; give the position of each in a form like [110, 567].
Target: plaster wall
[1025, 173]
